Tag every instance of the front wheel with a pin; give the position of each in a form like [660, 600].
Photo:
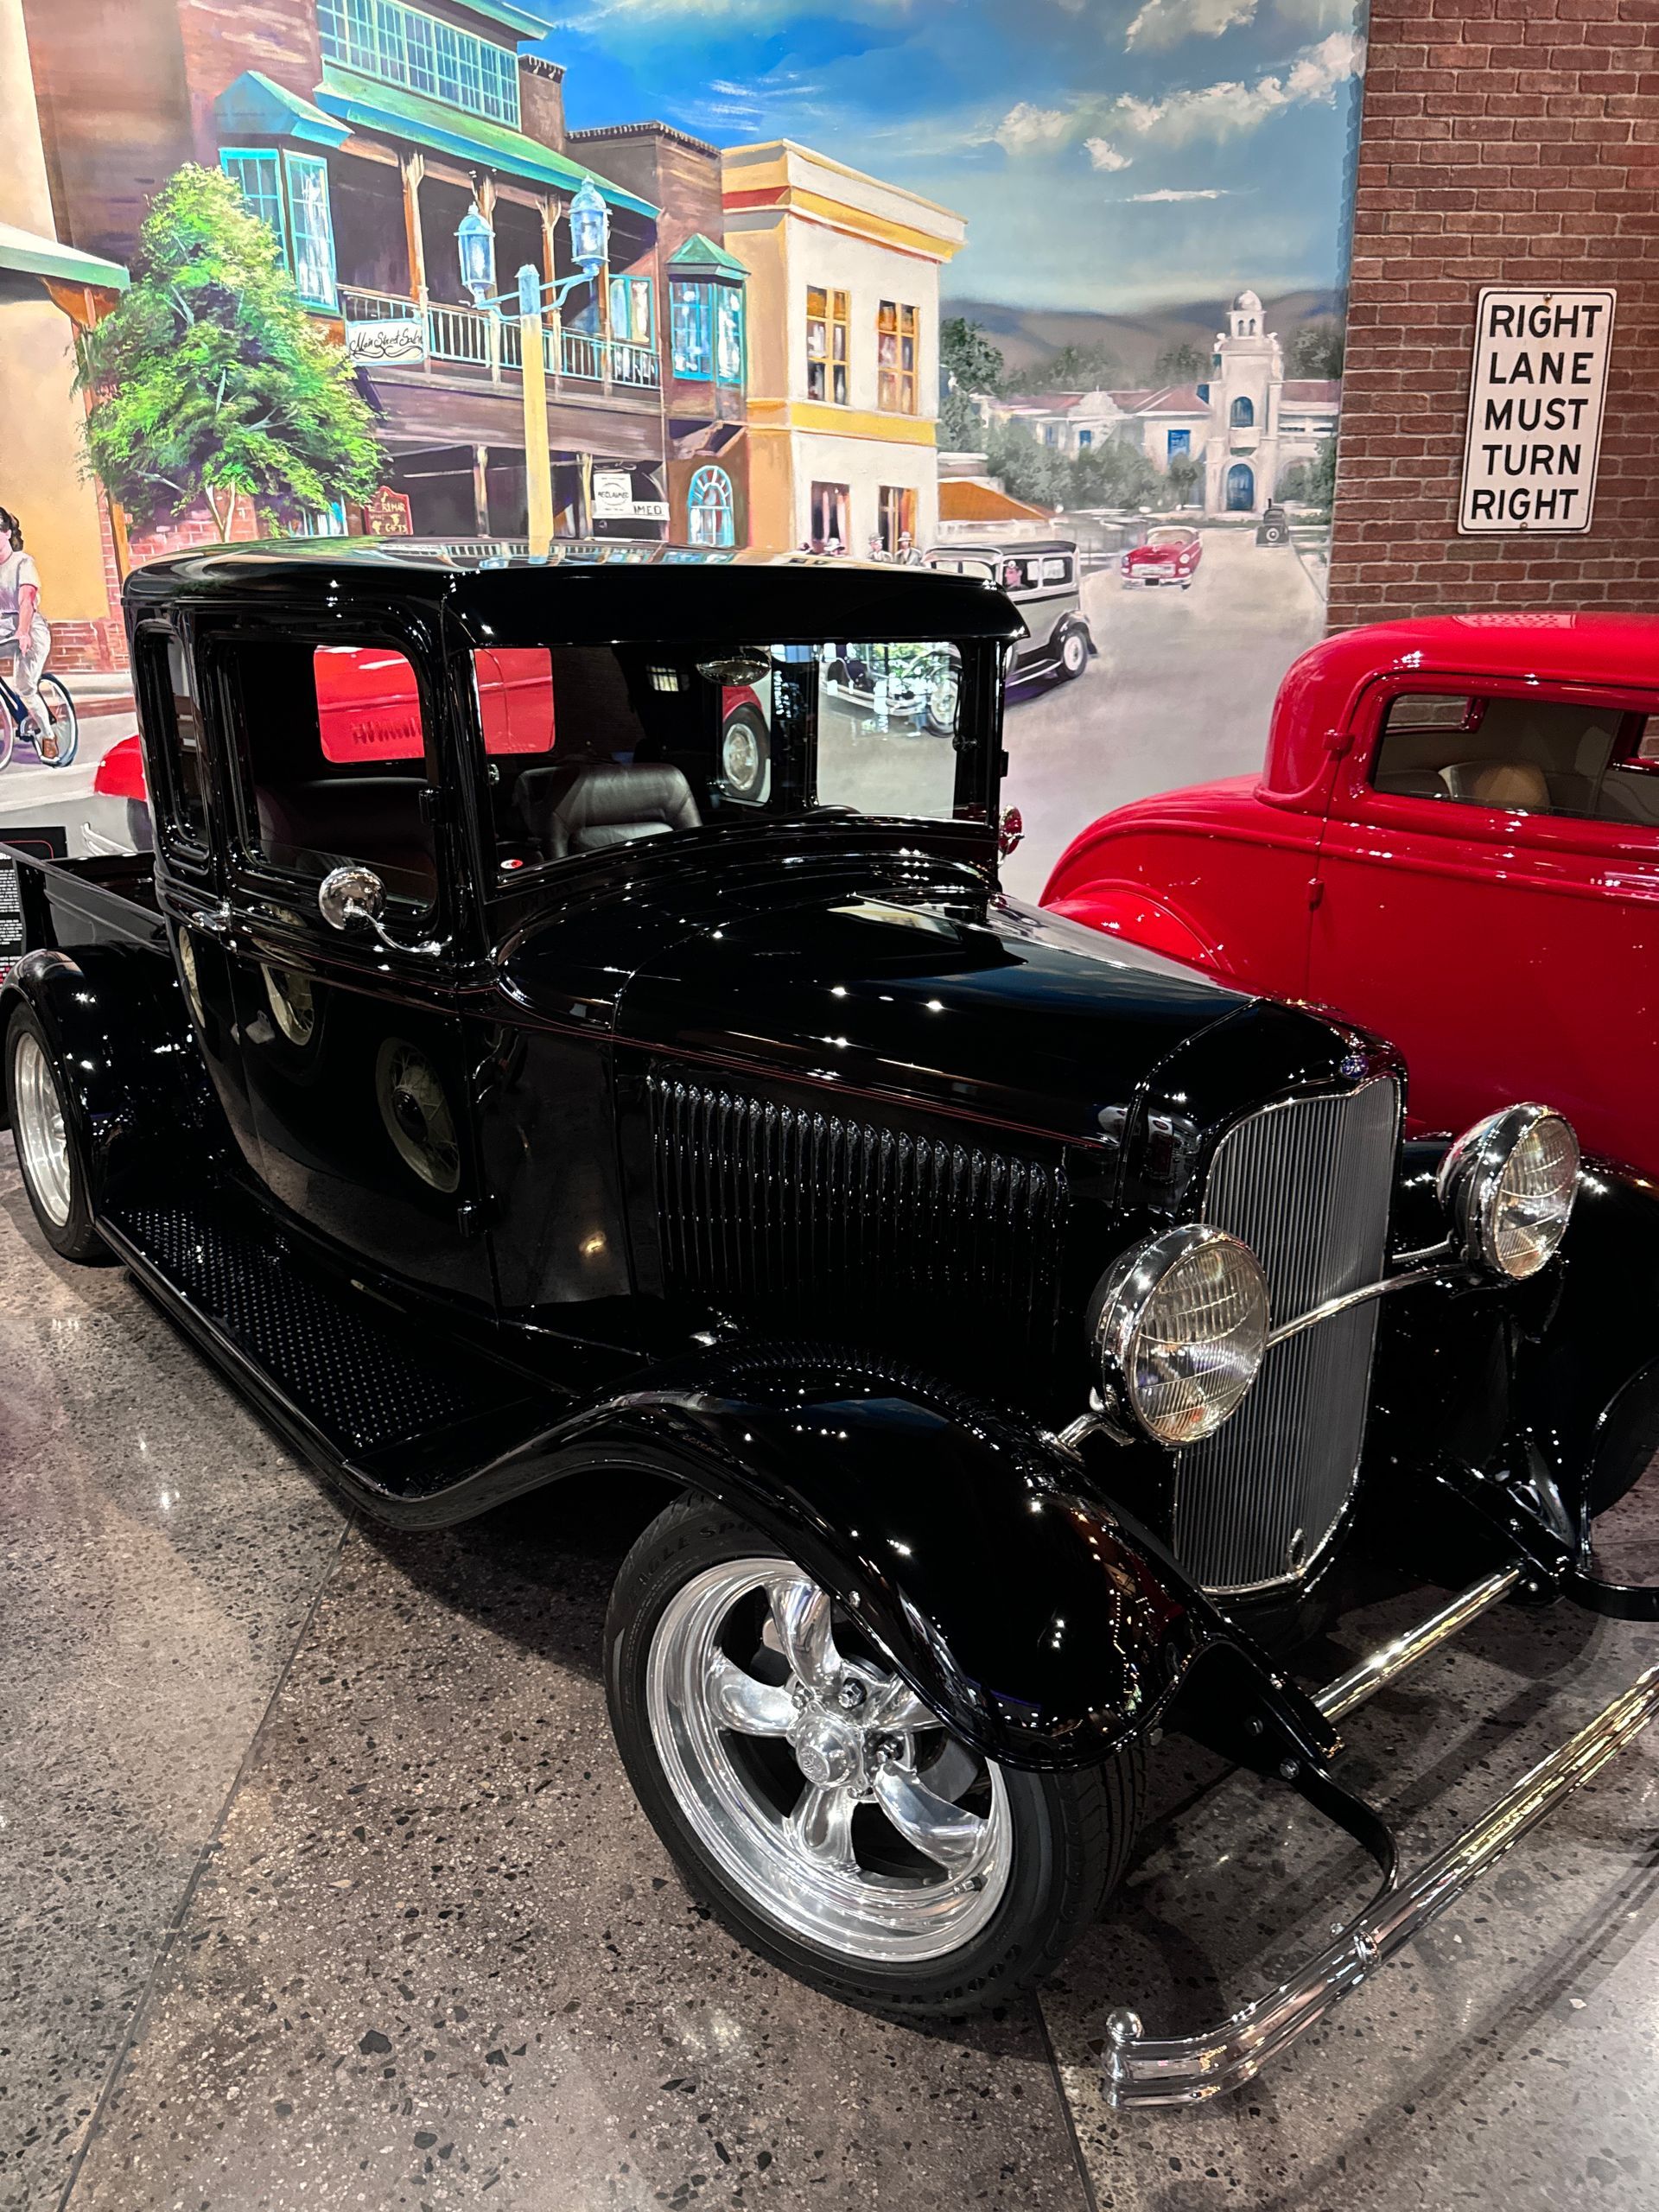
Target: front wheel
[1074, 652]
[825, 1813]
[48, 1151]
[65, 723]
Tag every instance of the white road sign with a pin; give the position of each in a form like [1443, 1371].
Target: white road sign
[1535, 410]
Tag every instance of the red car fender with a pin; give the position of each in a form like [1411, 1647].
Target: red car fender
[121, 772]
[1126, 911]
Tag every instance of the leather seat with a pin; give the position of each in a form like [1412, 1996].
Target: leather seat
[591, 804]
[1515, 786]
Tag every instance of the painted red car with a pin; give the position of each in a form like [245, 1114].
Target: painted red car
[1169, 554]
[1454, 841]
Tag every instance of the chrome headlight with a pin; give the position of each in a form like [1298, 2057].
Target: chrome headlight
[1509, 1185]
[1180, 1327]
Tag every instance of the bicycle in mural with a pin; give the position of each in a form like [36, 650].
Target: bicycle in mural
[18, 726]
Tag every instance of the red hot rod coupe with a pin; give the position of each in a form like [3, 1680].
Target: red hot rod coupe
[1455, 840]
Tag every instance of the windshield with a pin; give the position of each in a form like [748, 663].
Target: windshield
[591, 746]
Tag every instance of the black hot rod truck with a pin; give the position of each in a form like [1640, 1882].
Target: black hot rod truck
[502, 1086]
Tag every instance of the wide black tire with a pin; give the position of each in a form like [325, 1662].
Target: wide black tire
[74, 1237]
[1071, 1832]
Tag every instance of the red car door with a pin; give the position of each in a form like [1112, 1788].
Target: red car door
[1487, 898]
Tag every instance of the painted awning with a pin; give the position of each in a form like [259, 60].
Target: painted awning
[31, 255]
[368, 104]
[967, 501]
[256, 107]
[700, 257]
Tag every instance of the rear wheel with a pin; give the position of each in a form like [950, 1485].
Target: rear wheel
[744, 753]
[65, 722]
[829, 1818]
[48, 1151]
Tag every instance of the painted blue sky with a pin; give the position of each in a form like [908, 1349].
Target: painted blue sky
[1107, 153]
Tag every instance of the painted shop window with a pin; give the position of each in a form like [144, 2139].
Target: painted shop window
[332, 761]
[1180, 441]
[895, 357]
[728, 334]
[1244, 414]
[631, 316]
[290, 192]
[897, 509]
[401, 46]
[710, 512]
[830, 503]
[690, 325]
[828, 319]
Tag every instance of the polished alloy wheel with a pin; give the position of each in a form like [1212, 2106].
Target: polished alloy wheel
[42, 1138]
[822, 1786]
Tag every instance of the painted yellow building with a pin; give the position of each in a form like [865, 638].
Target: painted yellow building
[44, 286]
[843, 292]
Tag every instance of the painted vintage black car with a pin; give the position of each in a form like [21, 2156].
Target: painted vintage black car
[500, 1096]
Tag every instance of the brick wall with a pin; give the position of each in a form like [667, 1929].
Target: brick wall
[1503, 141]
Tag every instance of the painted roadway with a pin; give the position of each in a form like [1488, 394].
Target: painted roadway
[1181, 691]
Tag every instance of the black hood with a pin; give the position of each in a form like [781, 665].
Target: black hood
[967, 1005]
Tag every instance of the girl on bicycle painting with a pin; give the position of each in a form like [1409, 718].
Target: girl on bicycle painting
[23, 630]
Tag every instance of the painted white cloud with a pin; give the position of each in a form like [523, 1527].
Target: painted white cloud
[1167, 22]
[1104, 154]
[1146, 199]
[1228, 109]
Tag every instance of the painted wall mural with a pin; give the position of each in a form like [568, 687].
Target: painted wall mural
[1054, 291]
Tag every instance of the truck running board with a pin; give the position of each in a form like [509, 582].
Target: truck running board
[406, 1426]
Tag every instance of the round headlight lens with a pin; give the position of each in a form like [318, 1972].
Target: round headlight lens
[1509, 1184]
[1181, 1330]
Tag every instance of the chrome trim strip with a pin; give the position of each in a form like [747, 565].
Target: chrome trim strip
[1317, 1314]
[1389, 1661]
[1142, 2070]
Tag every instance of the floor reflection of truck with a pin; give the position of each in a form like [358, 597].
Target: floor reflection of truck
[1042, 579]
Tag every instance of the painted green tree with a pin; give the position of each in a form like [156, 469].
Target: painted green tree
[969, 363]
[210, 378]
[1180, 362]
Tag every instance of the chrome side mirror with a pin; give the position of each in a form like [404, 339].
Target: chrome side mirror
[350, 895]
[1010, 832]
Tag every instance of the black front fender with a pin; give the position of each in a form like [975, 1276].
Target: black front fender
[1041, 1627]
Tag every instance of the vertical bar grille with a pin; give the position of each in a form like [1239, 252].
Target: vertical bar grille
[797, 1207]
[1307, 1184]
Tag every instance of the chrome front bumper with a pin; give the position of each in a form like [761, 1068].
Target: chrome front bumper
[1143, 2070]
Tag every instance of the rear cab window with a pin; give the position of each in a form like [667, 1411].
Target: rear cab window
[1583, 759]
[176, 750]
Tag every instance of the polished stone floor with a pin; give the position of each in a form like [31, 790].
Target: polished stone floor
[321, 1886]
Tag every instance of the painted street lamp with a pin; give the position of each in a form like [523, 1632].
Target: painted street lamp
[590, 230]
[476, 241]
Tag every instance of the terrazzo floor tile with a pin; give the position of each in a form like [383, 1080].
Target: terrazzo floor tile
[440, 1955]
[158, 1555]
[1506, 2059]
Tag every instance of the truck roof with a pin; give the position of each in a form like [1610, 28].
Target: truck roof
[588, 590]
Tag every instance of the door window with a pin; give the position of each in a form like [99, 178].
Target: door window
[173, 740]
[1517, 755]
[334, 759]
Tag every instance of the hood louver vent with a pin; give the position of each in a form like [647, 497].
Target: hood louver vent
[807, 1209]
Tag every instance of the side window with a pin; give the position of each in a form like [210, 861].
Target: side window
[333, 762]
[866, 694]
[1514, 755]
[173, 740]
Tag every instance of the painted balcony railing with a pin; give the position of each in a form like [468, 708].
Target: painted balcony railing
[464, 335]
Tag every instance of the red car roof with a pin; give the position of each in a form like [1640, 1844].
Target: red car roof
[1320, 694]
